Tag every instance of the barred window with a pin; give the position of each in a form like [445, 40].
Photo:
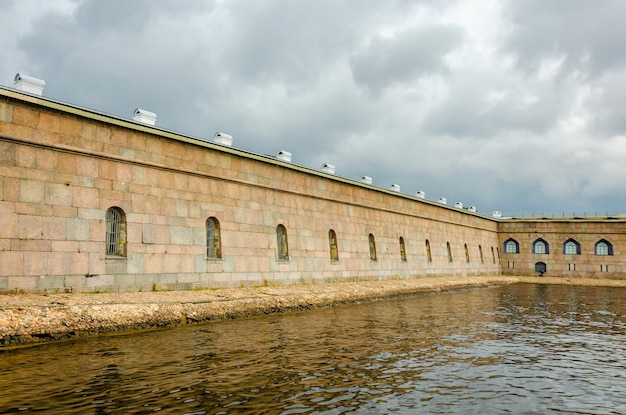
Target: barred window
[115, 232]
[372, 243]
[571, 247]
[428, 254]
[402, 249]
[283, 246]
[604, 247]
[332, 242]
[511, 247]
[213, 239]
[540, 247]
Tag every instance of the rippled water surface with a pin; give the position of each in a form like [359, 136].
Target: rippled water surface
[521, 349]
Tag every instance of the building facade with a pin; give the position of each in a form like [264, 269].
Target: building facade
[91, 202]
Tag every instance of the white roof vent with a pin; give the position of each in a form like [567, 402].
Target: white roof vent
[29, 84]
[472, 209]
[394, 187]
[283, 156]
[224, 139]
[366, 179]
[421, 194]
[496, 214]
[443, 200]
[145, 117]
[459, 205]
[328, 168]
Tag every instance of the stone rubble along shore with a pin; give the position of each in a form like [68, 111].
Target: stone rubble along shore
[37, 318]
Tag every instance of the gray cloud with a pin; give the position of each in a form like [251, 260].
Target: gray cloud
[588, 34]
[502, 105]
[408, 54]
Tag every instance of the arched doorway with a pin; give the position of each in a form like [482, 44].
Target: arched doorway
[540, 267]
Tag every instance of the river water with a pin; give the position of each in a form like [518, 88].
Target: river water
[521, 349]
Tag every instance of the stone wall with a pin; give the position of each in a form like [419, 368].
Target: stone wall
[62, 167]
[555, 233]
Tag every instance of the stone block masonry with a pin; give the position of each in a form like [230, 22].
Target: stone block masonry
[91, 202]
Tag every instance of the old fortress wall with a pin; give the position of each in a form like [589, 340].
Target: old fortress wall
[90, 202]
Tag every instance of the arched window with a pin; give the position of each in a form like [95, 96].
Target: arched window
[467, 257]
[604, 247]
[511, 246]
[541, 247]
[372, 243]
[283, 246]
[428, 254]
[213, 240]
[571, 247]
[493, 255]
[480, 250]
[332, 243]
[449, 252]
[402, 249]
[115, 232]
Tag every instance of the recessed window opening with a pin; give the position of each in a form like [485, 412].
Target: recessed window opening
[541, 247]
[467, 255]
[449, 251]
[429, 256]
[480, 251]
[402, 249]
[283, 246]
[372, 243]
[332, 242]
[571, 247]
[213, 240]
[604, 247]
[115, 232]
[493, 255]
[511, 246]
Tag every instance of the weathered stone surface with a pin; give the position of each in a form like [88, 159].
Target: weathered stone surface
[32, 318]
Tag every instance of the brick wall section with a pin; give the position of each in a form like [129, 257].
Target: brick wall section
[61, 168]
[586, 232]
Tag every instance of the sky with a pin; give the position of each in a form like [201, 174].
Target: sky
[516, 106]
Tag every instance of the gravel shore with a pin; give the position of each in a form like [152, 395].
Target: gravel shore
[32, 318]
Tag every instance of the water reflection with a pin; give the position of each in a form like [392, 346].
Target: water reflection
[515, 349]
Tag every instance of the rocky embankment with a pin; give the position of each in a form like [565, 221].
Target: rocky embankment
[33, 318]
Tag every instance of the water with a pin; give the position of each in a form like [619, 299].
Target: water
[521, 349]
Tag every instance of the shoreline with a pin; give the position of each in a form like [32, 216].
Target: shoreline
[31, 319]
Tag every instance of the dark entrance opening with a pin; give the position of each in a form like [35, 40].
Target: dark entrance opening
[540, 267]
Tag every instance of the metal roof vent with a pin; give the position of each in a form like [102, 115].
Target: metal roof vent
[224, 139]
[29, 84]
[394, 187]
[145, 117]
[459, 205]
[328, 168]
[496, 214]
[283, 155]
[472, 209]
[443, 200]
[421, 194]
[366, 179]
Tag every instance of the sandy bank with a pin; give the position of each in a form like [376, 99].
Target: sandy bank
[30, 318]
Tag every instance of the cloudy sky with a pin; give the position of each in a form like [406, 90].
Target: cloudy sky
[505, 105]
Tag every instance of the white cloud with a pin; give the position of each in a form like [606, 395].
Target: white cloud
[503, 105]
